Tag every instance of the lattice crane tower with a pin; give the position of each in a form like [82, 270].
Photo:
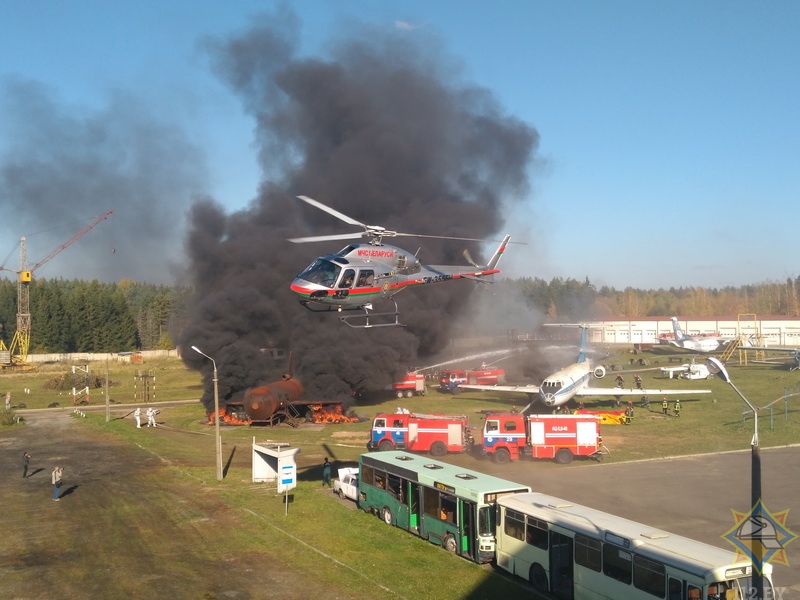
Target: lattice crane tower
[22, 337]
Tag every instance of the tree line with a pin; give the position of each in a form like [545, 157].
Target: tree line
[81, 316]
[573, 299]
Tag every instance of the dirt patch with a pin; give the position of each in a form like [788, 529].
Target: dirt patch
[124, 527]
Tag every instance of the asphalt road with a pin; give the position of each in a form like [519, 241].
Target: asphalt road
[692, 496]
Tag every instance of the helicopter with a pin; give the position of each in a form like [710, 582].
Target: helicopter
[363, 274]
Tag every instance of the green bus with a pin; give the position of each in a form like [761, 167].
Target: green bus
[445, 504]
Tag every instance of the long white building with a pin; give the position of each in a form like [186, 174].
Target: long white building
[772, 331]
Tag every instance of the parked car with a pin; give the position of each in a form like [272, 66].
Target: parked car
[347, 484]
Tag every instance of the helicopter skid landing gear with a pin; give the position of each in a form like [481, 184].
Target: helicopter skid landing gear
[381, 317]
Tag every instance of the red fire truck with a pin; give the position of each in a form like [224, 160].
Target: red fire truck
[509, 436]
[449, 380]
[413, 384]
[437, 434]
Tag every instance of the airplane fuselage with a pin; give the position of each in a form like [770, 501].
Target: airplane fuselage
[560, 387]
[698, 345]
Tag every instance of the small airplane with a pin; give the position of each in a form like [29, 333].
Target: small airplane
[690, 370]
[573, 381]
[794, 355]
[703, 344]
[363, 274]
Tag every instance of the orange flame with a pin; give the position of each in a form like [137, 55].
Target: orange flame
[227, 418]
[334, 414]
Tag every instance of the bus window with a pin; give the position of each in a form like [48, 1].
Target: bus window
[616, 563]
[395, 487]
[514, 524]
[649, 576]
[448, 508]
[587, 552]
[367, 474]
[430, 503]
[675, 590]
[536, 533]
[485, 521]
[716, 591]
[693, 593]
[380, 480]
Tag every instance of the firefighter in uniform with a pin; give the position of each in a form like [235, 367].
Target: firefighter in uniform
[665, 405]
[677, 408]
[629, 413]
[638, 381]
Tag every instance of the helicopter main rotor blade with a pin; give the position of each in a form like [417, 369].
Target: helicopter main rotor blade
[331, 211]
[326, 238]
[439, 237]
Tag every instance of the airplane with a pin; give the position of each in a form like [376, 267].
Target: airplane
[573, 381]
[794, 354]
[363, 274]
[687, 371]
[703, 344]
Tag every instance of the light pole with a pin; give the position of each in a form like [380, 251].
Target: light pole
[716, 367]
[217, 440]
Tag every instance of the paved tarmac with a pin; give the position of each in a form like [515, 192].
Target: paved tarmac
[691, 496]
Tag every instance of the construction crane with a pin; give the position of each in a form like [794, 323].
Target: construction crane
[17, 351]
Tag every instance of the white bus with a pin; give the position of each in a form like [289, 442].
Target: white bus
[579, 553]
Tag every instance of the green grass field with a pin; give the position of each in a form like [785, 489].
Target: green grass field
[354, 552]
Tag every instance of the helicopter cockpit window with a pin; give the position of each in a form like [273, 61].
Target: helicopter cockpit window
[347, 279]
[347, 250]
[321, 271]
[366, 277]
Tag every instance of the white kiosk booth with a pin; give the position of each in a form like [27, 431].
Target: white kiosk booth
[273, 461]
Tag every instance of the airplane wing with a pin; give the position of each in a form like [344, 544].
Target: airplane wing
[770, 348]
[523, 389]
[633, 392]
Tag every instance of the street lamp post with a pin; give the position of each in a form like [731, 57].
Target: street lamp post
[217, 440]
[716, 367]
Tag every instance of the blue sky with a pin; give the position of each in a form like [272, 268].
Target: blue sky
[669, 132]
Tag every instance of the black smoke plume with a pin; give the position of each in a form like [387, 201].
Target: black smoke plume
[61, 165]
[383, 129]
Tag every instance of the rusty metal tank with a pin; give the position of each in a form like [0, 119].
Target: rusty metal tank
[262, 402]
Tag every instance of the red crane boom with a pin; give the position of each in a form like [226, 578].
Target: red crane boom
[71, 240]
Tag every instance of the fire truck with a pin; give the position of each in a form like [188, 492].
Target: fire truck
[413, 384]
[449, 380]
[437, 434]
[509, 436]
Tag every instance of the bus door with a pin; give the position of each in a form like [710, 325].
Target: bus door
[413, 507]
[467, 511]
[561, 572]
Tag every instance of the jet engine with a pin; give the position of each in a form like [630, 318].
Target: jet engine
[599, 372]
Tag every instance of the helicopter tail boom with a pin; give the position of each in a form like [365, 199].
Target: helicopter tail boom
[498, 253]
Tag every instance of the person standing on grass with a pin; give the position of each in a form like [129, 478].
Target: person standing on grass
[26, 459]
[56, 479]
[326, 473]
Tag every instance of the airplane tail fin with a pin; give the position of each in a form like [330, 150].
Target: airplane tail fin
[679, 335]
[499, 253]
[582, 353]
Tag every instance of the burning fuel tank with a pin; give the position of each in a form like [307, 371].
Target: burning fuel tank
[263, 402]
